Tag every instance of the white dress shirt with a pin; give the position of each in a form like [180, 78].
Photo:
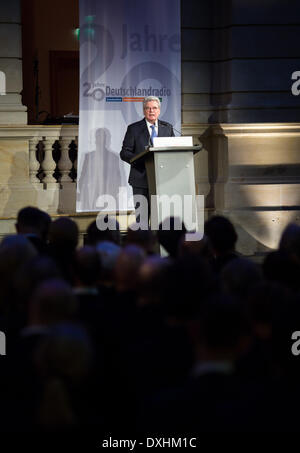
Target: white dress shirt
[150, 129]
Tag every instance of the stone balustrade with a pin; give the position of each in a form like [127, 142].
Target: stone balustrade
[43, 165]
[38, 167]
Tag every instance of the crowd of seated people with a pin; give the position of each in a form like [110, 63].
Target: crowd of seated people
[112, 338]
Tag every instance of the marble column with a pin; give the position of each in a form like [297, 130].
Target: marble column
[11, 109]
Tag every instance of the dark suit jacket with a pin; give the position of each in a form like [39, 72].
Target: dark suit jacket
[135, 140]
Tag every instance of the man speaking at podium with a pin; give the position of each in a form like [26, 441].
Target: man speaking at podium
[138, 136]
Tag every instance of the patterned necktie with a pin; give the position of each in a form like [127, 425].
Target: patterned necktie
[153, 133]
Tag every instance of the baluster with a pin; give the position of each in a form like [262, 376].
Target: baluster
[34, 164]
[76, 159]
[48, 164]
[65, 163]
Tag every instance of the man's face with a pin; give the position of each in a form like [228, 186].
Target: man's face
[151, 111]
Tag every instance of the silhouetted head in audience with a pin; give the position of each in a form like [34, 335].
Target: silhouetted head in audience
[87, 267]
[39, 269]
[143, 238]
[151, 280]
[171, 232]
[17, 249]
[35, 224]
[108, 252]
[187, 283]
[239, 276]
[52, 302]
[63, 234]
[280, 267]
[96, 235]
[16, 253]
[127, 268]
[201, 248]
[290, 241]
[31, 220]
[221, 234]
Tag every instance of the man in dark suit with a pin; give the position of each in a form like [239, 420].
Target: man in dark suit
[140, 135]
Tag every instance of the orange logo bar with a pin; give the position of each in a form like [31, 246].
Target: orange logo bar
[133, 99]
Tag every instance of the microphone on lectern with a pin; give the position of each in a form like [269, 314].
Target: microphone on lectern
[168, 124]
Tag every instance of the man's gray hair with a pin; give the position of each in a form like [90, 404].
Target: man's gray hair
[149, 99]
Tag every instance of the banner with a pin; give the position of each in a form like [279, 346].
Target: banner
[128, 50]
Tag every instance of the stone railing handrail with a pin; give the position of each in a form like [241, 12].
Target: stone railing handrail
[43, 138]
[27, 131]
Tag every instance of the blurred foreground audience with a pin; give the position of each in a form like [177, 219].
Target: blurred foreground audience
[113, 338]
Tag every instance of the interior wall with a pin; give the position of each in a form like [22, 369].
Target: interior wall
[47, 25]
[238, 57]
